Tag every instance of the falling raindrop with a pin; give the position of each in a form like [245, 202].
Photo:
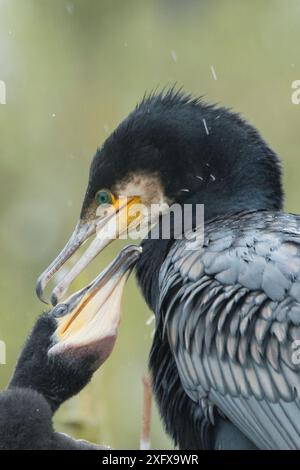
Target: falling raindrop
[150, 320]
[174, 56]
[70, 7]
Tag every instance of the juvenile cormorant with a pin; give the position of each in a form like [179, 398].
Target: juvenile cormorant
[59, 358]
[224, 356]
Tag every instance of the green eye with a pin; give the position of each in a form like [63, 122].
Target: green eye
[104, 197]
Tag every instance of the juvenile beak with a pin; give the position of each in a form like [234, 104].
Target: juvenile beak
[118, 219]
[89, 319]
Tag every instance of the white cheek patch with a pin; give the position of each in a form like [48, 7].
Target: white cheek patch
[153, 200]
[149, 188]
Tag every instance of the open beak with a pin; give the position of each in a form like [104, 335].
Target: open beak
[89, 319]
[112, 223]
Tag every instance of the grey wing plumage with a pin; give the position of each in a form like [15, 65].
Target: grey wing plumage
[233, 323]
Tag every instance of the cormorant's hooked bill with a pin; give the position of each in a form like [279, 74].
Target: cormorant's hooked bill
[108, 226]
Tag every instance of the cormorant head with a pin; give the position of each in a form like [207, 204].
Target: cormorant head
[171, 149]
[71, 341]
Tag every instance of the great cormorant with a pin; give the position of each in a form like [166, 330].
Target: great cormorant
[224, 359]
[65, 347]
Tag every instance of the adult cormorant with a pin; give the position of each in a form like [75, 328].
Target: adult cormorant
[224, 356]
[59, 358]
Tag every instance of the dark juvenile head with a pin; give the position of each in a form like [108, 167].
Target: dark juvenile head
[71, 341]
[171, 149]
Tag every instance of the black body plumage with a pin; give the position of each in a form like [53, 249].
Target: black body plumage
[230, 312]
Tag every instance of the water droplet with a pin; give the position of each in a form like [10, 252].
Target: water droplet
[174, 56]
[150, 320]
[70, 7]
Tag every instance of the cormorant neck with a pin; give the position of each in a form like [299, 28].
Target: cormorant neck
[58, 377]
[220, 197]
[32, 368]
[148, 266]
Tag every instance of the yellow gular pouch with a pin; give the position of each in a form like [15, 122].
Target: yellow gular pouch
[94, 314]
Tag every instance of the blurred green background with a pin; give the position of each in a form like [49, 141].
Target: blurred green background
[73, 69]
